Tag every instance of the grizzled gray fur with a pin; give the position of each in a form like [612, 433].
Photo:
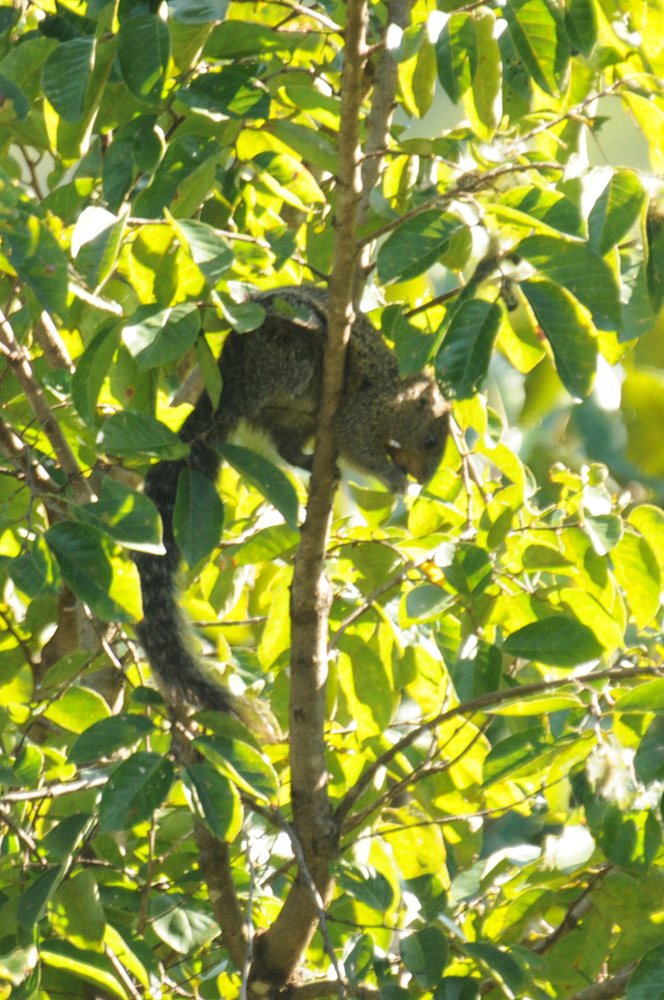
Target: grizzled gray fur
[271, 378]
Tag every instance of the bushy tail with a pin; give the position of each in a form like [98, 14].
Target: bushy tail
[163, 632]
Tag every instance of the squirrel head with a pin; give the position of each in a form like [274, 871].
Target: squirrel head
[419, 428]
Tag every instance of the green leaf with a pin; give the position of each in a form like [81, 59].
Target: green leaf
[214, 800]
[537, 705]
[243, 764]
[647, 980]
[144, 45]
[209, 251]
[183, 160]
[358, 961]
[486, 88]
[197, 11]
[416, 245]
[549, 207]
[315, 148]
[11, 96]
[478, 671]
[513, 753]
[456, 53]
[368, 885]
[198, 518]
[646, 697]
[77, 708]
[423, 80]
[499, 962]
[558, 641]
[124, 514]
[581, 24]
[136, 146]
[537, 31]
[570, 333]
[96, 242]
[469, 571]
[637, 572]
[604, 531]
[65, 76]
[581, 270]
[91, 369]
[544, 557]
[89, 563]
[35, 571]
[35, 254]
[649, 757]
[134, 790]
[210, 370]
[180, 924]
[83, 964]
[655, 264]
[424, 954]
[34, 900]
[615, 211]
[134, 434]
[157, 336]
[463, 360]
[234, 92]
[80, 907]
[103, 738]
[427, 602]
[266, 477]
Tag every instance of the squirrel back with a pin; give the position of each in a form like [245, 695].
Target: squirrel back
[272, 379]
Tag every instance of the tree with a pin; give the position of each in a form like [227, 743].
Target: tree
[469, 803]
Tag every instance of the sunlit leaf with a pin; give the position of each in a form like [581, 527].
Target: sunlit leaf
[534, 25]
[615, 211]
[90, 563]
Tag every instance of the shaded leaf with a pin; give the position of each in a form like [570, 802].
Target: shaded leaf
[130, 434]
[134, 790]
[198, 518]
[157, 336]
[143, 50]
[266, 477]
[558, 640]
[65, 76]
[103, 738]
[463, 360]
[416, 245]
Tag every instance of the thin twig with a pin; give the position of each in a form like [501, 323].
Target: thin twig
[483, 703]
[19, 362]
[54, 791]
[248, 924]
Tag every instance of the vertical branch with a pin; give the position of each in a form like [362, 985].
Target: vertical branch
[310, 597]
[279, 951]
[379, 122]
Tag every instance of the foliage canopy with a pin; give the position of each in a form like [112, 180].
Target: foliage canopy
[493, 746]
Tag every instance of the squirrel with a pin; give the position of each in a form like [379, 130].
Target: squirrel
[271, 378]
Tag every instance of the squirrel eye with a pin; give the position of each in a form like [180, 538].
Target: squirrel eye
[430, 441]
